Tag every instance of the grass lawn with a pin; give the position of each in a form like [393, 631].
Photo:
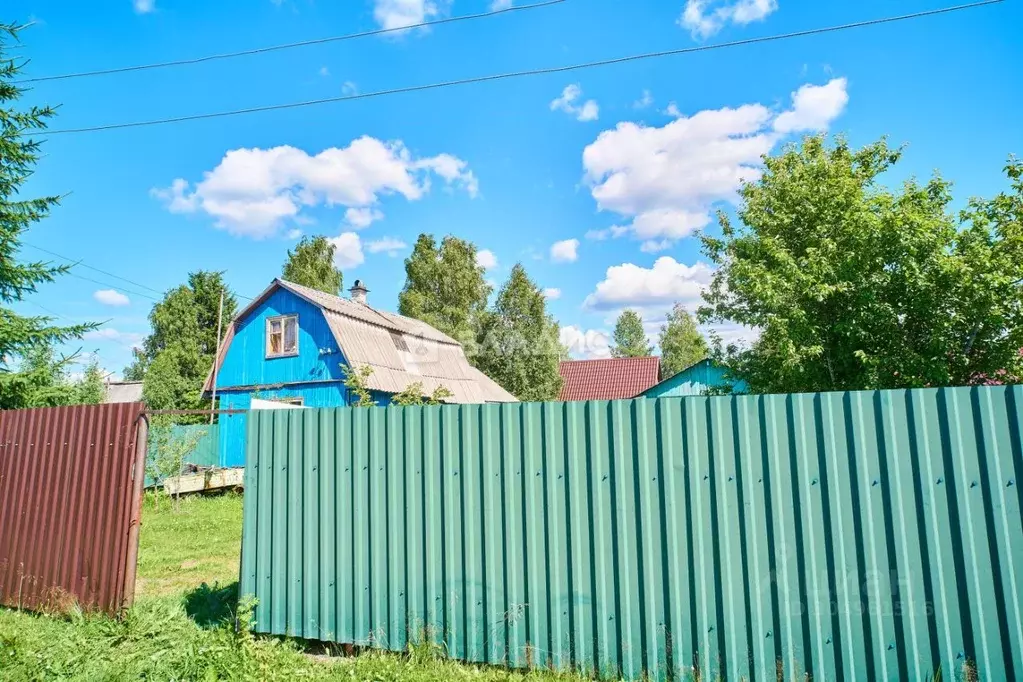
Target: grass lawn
[181, 627]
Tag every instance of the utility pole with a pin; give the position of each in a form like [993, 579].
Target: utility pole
[216, 357]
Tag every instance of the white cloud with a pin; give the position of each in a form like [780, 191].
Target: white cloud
[667, 179]
[389, 245]
[111, 297]
[631, 286]
[656, 245]
[129, 339]
[486, 259]
[498, 5]
[643, 102]
[252, 192]
[144, 6]
[349, 88]
[704, 18]
[552, 293]
[324, 71]
[565, 251]
[391, 14]
[587, 111]
[585, 344]
[672, 110]
[347, 250]
[293, 233]
[814, 107]
[363, 217]
[612, 232]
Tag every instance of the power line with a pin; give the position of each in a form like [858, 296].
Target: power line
[107, 284]
[288, 46]
[78, 263]
[53, 312]
[531, 72]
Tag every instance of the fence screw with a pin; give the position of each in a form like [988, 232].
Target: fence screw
[768, 635]
[705, 477]
[973, 484]
[710, 629]
[960, 655]
[874, 483]
[730, 479]
[813, 482]
[890, 647]
[828, 641]
[1010, 483]
[939, 481]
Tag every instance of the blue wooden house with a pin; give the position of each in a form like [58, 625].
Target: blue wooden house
[696, 379]
[289, 345]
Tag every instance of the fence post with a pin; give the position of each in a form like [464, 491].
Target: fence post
[138, 477]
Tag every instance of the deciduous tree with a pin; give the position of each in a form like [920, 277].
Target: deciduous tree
[178, 353]
[856, 286]
[682, 344]
[445, 287]
[518, 345]
[629, 340]
[311, 264]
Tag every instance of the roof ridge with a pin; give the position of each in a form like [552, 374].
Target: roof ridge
[348, 308]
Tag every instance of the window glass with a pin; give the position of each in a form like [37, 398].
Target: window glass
[291, 335]
[274, 338]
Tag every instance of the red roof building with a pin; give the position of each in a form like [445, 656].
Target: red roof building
[608, 379]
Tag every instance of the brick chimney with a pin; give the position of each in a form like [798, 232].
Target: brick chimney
[358, 292]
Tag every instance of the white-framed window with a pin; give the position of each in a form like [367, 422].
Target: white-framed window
[282, 336]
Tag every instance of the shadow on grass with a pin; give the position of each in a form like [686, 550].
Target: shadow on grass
[213, 606]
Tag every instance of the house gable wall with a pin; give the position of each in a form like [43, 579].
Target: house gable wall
[246, 363]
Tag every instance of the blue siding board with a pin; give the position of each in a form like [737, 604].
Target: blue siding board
[232, 426]
[693, 381]
[312, 375]
[246, 363]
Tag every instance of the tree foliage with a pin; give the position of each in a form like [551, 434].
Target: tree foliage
[178, 353]
[682, 344]
[414, 394]
[518, 344]
[311, 264]
[20, 336]
[42, 379]
[855, 286]
[629, 340]
[356, 379]
[445, 287]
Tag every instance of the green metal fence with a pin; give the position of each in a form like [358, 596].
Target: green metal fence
[865, 535]
[202, 442]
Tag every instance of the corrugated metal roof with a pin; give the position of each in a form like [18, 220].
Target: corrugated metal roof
[400, 350]
[607, 379]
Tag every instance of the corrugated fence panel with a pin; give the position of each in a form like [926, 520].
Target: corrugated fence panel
[70, 492]
[844, 536]
[202, 440]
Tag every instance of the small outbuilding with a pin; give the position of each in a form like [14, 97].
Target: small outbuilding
[697, 379]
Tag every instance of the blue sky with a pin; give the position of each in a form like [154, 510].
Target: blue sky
[595, 180]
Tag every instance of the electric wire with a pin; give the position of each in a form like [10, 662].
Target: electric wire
[288, 46]
[530, 72]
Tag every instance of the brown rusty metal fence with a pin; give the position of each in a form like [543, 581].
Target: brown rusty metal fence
[70, 500]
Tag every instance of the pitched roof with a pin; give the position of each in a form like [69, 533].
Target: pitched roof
[400, 350]
[608, 379]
